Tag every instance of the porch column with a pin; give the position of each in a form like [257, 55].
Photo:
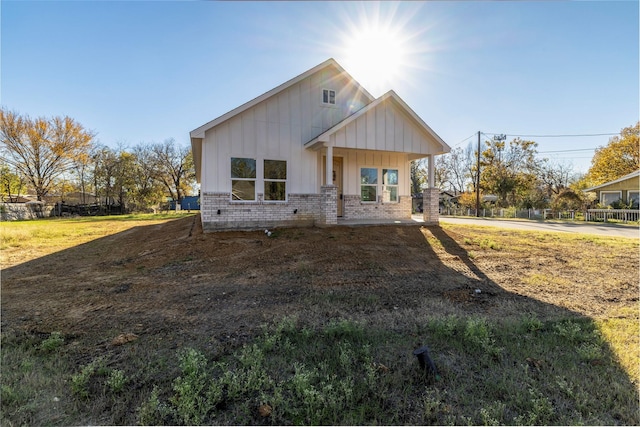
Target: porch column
[432, 172]
[431, 196]
[329, 174]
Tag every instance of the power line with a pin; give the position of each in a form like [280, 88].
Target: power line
[469, 137]
[560, 135]
[568, 151]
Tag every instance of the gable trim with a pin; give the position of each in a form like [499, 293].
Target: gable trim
[325, 136]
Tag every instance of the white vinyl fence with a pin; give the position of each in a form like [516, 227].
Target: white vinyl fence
[624, 215]
[596, 215]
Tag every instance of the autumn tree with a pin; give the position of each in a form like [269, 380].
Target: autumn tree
[618, 158]
[41, 149]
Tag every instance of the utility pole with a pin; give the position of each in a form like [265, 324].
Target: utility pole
[478, 180]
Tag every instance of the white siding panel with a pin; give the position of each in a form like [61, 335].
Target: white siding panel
[380, 130]
[273, 138]
[398, 138]
[272, 110]
[305, 110]
[261, 137]
[361, 131]
[389, 123]
[260, 112]
[351, 135]
[235, 126]
[285, 144]
[341, 138]
[295, 105]
[248, 129]
[284, 112]
[370, 139]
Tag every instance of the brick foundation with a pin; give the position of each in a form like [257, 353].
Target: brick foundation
[354, 208]
[219, 213]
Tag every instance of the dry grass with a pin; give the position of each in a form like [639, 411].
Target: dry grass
[550, 338]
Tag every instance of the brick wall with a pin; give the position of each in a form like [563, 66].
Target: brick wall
[329, 205]
[354, 208]
[430, 205]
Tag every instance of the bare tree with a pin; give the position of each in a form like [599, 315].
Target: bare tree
[173, 167]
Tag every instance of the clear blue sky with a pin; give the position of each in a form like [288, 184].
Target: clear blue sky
[150, 70]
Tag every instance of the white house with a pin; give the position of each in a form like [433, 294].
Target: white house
[317, 148]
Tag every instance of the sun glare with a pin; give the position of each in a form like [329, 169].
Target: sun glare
[377, 46]
[375, 57]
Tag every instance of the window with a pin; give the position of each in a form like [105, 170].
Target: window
[634, 198]
[368, 184]
[609, 197]
[275, 180]
[389, 185]
[328, 96]
[243, 179]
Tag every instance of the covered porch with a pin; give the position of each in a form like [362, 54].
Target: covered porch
[364, 163]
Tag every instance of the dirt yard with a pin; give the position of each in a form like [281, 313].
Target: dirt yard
[172, 282]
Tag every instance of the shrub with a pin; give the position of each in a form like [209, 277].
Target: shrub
[52, 343]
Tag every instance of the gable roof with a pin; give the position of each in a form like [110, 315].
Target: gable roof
[615, 181]
[391, 95]
[199, 132]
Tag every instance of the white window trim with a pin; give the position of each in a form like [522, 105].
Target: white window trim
[397, 186]
[379, 186]
[619, 193]
[360, 184]
[335, 97]
[630, 192]
[255, 180]
[286, 182]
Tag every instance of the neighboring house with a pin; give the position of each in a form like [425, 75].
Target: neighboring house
[316, 148]
[626, 188]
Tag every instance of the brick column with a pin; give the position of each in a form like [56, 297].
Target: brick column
[430, 205]
[330, 204]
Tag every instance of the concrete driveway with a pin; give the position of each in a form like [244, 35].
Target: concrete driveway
[601, 229]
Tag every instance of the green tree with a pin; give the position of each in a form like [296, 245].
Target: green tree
[42, 149]
[509, 171]
[419, 176]
[146, 192]
[11, 184]
[618, 158]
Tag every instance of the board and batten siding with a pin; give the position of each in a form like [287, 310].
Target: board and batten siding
[385, 128]
[277, 129]
[353, 160]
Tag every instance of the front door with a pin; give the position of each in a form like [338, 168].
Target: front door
[337, 181]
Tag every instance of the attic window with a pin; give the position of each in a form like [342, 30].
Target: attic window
[328, 96]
